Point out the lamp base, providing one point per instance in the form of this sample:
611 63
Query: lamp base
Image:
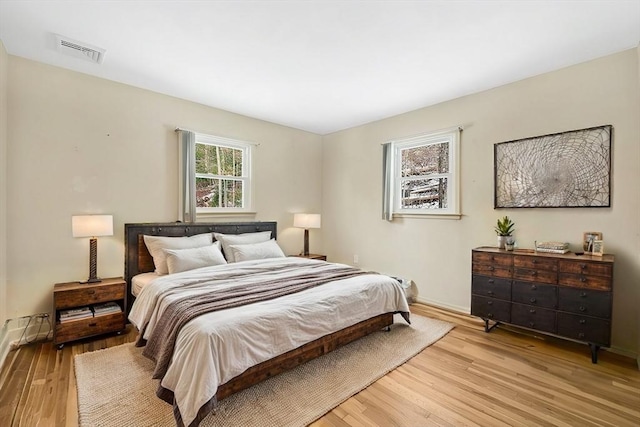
92 280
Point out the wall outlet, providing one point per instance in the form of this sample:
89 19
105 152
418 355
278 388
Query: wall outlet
356 259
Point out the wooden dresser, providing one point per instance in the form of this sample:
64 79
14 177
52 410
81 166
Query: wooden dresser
567 295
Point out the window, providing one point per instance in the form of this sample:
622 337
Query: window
222 174
215 175
421 175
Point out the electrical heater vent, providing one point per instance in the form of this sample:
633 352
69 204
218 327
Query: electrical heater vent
79 50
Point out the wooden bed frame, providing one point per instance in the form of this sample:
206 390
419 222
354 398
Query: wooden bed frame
138 260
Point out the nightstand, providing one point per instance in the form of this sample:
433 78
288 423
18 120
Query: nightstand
74 296
313 256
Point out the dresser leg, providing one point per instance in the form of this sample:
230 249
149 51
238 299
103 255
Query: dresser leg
488 328
594 352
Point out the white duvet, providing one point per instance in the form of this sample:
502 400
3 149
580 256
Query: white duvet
216 347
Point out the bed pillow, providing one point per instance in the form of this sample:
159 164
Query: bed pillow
262 250
158 244
188 259
240 239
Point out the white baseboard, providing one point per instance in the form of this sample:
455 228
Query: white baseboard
11 337
440 304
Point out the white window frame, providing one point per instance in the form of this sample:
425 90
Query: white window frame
246 178
452 137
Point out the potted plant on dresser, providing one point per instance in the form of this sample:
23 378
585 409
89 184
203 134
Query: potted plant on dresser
504 229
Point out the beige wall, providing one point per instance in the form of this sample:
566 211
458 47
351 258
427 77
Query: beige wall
4 59
80 144
436 253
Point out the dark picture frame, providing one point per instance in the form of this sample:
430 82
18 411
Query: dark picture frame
561 170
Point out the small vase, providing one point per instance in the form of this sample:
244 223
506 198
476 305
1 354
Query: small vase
502 240
509 247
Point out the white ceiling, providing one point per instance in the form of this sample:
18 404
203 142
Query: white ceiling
321 66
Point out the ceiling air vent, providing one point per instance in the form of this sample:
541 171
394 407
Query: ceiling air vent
79 49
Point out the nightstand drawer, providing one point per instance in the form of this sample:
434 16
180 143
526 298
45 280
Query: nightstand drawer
89 295
83 328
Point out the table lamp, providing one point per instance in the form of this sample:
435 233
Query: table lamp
92 226
306 221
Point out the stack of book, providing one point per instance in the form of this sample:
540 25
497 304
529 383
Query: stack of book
75 314
106 308
552 247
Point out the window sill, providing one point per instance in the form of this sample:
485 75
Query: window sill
427 216
201 216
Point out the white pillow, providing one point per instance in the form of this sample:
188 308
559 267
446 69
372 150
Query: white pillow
240 239
262 250
157 245
188 259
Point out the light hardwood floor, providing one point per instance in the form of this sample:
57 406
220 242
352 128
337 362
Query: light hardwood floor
469 377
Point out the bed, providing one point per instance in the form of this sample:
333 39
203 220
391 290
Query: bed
299 338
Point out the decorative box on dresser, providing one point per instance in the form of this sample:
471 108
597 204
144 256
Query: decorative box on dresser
74 295
566 295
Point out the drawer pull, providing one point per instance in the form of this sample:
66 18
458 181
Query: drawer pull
583 294
532 300
491 281
490 315
535 261
489 302
93 324
582 321
581 335
490 292
534 287
531 324
493 258
583 279
91 291
583 266
534 273
491 268
532 311
582 308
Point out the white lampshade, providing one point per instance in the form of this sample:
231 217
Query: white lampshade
306 221
92 225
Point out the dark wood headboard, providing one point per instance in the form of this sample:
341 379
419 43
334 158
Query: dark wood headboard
137 258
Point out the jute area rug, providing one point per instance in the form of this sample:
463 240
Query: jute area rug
115 386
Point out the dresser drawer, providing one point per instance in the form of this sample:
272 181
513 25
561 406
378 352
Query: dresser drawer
83 328
490 308
491 287
535 294
89 295
541 276
589 268
584 281
585 328
585 302
490 270
535 263
502 260
532 317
